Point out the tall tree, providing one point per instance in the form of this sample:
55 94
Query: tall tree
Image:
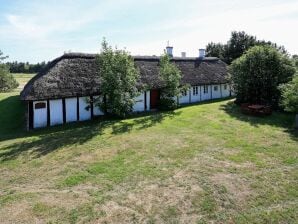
215 50
238 43
289 99
257 74
171 77
7 81
119 78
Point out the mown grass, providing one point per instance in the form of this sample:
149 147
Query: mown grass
204 163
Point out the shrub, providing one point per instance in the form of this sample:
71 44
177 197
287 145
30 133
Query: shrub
7 81
257 74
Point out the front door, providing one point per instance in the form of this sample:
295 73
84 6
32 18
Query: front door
154 98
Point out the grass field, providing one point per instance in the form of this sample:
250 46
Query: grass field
22 79
205 163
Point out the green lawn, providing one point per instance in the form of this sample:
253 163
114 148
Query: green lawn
22 79
205 163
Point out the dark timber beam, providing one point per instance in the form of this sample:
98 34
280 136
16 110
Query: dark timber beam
48 114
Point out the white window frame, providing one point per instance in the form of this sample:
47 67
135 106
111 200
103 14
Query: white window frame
195 90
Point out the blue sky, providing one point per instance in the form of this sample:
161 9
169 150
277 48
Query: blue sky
43 30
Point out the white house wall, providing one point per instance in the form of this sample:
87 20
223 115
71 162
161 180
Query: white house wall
139 103
96 110
40 115
84 114
225 92
206 96
71 109
216 93
195 98
184 99
148 99
56 112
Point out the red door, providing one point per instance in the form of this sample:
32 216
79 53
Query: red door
154 98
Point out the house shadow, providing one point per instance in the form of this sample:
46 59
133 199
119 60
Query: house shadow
50 139
277 119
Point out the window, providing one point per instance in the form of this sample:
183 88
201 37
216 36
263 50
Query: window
225 87
215 88
195 90
184 93
40 105
205 88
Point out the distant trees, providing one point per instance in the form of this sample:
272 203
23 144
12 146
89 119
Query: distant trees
238 43
215 50
7 81
289 97
257 74
170 76
26 67
119 78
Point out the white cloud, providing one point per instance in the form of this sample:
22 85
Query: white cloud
46 30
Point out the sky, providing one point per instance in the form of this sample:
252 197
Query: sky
38 30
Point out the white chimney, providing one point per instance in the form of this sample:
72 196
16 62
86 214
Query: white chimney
183 54
169 51
201 53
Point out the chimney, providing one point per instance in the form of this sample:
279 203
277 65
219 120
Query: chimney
183 54
169 51
201 53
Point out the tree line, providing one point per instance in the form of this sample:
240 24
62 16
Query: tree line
238 43
26 67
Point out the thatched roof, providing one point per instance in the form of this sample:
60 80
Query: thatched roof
77 74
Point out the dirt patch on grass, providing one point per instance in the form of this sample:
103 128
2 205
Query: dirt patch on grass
150 202
236 186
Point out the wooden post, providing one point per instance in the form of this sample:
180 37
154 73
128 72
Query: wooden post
64 110
145 100
30 114
78 109
48 114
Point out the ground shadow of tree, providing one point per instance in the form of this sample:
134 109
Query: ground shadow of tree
277 119
47 140
12 117
143 121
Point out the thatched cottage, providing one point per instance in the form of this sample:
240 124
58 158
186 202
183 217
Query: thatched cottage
59 94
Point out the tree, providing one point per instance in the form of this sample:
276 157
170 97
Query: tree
295 61
289 97
238 43
119 78
7 81
170 76
257 74
215 50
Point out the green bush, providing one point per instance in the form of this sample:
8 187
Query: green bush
7 81
257 74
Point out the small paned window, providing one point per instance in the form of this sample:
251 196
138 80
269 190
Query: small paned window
40 105
184 93
215 88
225 87
195 90
205 88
